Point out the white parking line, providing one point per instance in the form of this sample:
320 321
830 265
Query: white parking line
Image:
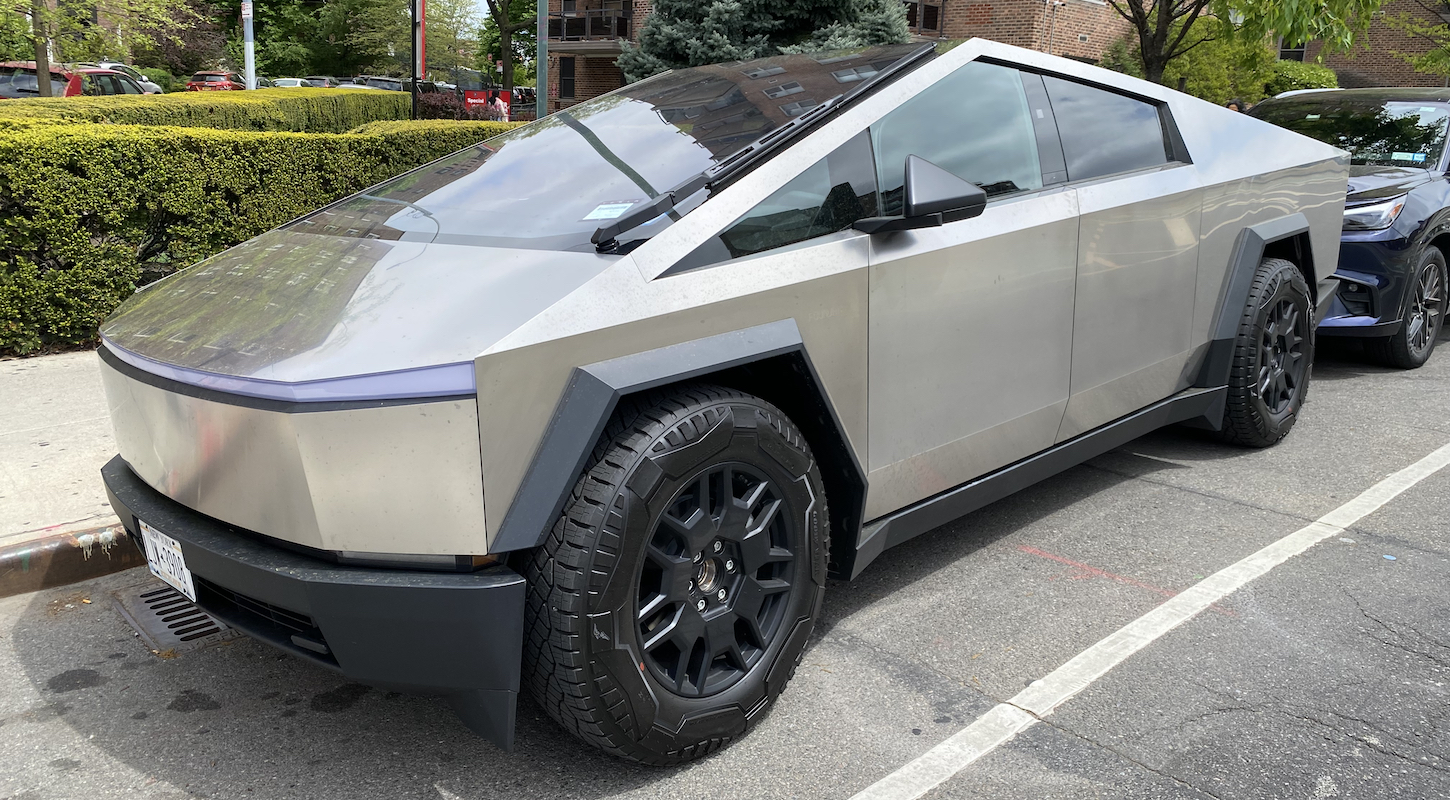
1042 697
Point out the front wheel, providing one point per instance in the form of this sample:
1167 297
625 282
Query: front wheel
1273 351
1423 316
674 596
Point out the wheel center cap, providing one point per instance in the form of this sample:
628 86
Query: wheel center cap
707 576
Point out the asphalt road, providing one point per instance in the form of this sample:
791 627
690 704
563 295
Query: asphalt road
1326 678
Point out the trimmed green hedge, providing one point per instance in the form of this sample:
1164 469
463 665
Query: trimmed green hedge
301 110
1290 75
88 212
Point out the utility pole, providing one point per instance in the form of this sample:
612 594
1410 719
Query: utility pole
419 55
42 50
249 45
541 66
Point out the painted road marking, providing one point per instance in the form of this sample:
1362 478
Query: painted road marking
1042 697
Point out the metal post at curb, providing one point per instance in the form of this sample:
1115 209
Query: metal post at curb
541 63
418 54
249 45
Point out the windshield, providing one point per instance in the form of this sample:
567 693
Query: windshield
1374 132
552 183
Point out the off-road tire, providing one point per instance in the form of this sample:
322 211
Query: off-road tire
584 625
1267 387
1422 318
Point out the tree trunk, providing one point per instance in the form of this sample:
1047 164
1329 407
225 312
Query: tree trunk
506 55
42 55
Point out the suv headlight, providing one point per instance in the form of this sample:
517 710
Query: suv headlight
1373 217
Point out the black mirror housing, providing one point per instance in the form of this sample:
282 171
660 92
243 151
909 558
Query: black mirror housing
933 197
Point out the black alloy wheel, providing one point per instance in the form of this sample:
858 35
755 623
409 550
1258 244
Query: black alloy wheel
715 580
674 597
1423 319
1273 354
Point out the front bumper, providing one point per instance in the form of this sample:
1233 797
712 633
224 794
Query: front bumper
1373 273
459 635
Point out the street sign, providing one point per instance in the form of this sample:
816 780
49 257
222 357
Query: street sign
246 9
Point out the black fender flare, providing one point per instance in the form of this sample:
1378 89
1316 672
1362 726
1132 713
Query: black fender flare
594 391
1248 252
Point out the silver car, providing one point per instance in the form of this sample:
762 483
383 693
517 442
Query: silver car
596 406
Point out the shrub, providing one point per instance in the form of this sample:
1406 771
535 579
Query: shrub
447 105
164 79
1290 75
302 110
87 212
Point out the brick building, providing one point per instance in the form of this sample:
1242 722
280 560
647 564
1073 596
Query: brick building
1376 60
585 35
585 38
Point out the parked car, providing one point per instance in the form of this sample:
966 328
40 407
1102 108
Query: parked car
290 83
216 82
604 431
147 85
1392 270
17 80
322 81
390 84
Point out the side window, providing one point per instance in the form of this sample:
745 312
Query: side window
826 198
974 123
128 86
1104 133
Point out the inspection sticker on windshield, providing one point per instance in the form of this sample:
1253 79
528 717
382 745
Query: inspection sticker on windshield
1398 156
610 209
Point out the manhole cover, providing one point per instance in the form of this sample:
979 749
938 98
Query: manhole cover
167 621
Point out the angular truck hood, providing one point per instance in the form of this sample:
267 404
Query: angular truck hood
1368 183
291 307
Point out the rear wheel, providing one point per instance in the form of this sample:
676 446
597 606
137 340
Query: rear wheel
674 596
1423 317
1269 378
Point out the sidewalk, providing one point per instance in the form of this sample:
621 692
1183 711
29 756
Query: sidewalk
55 524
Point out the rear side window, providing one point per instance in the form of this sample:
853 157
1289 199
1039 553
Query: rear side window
1104 133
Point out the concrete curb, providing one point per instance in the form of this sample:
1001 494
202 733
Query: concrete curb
62 558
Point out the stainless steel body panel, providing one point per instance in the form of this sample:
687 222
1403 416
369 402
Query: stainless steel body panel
393 479
971 340
1137 265
822 286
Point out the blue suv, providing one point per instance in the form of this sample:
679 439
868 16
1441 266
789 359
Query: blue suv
1396 217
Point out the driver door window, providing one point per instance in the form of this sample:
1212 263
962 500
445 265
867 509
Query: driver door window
974 123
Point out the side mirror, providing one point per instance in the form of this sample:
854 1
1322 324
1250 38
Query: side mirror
933 196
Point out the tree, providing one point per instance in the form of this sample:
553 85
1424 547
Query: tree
1167 29
452 35
1430 27
685 33
506 18
1218 70
78 28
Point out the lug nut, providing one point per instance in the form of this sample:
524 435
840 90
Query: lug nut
720 595
729 565
697 557
719 546
700 604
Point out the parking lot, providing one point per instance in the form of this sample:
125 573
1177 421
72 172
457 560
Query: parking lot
1327 677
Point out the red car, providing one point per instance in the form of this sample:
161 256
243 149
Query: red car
215 82
17 80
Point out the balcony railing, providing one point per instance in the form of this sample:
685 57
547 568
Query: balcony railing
592 24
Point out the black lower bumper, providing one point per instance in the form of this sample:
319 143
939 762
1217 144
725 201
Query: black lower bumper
454 634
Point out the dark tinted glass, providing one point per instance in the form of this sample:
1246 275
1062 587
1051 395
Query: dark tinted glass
835 192
18 82
550 184
1105 133
974 123
1374 132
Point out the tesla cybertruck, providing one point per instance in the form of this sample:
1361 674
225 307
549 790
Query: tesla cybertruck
596 406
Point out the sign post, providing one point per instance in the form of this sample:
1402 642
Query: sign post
249 45
419 54
541 64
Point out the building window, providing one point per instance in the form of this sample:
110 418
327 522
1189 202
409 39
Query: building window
1289 51
799 107
762 72
854 74
777 92
923 16
566 77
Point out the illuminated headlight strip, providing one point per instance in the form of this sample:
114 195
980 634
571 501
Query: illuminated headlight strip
1373 217
441 381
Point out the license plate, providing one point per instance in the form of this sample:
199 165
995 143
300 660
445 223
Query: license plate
163 556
